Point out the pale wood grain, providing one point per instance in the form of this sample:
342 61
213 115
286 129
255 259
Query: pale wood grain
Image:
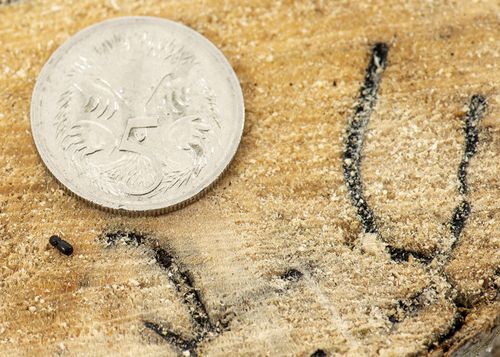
283 203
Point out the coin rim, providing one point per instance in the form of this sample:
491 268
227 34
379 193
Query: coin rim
58 173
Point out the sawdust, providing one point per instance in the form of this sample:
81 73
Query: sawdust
283 204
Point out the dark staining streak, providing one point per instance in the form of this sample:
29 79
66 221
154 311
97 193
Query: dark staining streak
460 215
173 338
477 108
457 324
352 175
353 154
354 146
355 135
394 319
185 287
129 238
291 275
408 307
184 284
403 255
318 353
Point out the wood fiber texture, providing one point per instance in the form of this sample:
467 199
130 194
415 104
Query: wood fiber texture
275 260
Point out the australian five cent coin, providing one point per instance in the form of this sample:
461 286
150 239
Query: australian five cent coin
138 114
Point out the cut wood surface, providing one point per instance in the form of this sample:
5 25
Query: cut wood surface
360 216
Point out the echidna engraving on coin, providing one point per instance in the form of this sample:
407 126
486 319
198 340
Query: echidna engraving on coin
144 113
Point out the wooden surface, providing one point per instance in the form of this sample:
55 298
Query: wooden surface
275 260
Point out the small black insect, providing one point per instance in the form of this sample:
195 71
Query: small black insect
61 245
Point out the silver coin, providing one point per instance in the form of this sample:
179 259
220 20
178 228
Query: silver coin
138 114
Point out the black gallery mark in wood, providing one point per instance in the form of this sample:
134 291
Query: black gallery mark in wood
352 174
